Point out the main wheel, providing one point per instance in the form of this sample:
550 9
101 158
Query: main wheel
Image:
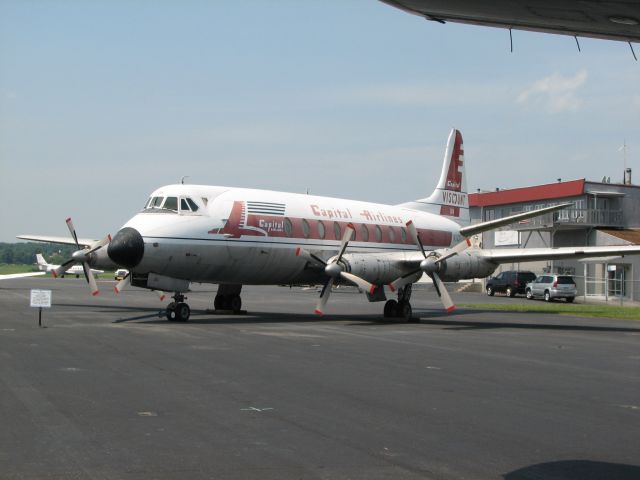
529 294
235 303
490 291
390 309
218 302
547 296
403 311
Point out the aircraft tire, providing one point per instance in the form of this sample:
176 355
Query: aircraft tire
182 312
390 308
219 302
235 303
171 312
404 311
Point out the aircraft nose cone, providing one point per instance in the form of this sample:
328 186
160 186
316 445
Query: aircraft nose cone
126 248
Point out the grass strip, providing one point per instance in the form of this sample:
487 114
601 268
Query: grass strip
599 311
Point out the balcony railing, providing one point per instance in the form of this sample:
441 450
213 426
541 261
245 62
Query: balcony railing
575 217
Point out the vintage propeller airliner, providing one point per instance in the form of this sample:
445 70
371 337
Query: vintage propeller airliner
237 236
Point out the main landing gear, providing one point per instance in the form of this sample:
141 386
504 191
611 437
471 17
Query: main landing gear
228 298
400 309
178 310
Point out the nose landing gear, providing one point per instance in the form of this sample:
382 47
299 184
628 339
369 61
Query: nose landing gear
178 310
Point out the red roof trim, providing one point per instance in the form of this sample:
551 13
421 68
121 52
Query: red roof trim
550 191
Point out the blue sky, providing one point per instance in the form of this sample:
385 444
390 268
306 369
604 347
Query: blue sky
102 102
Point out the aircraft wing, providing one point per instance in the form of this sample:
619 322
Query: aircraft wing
84 242
20 275
508 255
605 19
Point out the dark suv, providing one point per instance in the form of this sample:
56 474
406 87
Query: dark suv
510 282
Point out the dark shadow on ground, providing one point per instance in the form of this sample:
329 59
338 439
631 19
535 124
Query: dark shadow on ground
450 321
576 470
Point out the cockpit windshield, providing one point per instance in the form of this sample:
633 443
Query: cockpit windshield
171 205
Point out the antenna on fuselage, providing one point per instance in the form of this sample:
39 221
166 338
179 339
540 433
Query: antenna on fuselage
182 181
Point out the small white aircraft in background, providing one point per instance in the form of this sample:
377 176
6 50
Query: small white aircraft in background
76 270
236 236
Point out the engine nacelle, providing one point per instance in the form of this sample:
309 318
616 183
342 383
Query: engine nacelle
464 266
383 268
377 268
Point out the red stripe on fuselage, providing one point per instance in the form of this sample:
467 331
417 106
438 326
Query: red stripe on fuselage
276 226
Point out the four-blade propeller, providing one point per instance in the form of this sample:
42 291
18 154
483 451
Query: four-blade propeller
335 270
430 265
81 256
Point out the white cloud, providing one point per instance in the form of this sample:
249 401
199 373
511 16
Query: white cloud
555 93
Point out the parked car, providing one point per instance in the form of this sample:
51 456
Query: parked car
510 282
551 287
120 274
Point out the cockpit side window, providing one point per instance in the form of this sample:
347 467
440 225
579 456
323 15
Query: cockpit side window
157 201
193 205
184 206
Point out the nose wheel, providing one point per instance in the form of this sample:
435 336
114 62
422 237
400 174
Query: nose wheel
178 310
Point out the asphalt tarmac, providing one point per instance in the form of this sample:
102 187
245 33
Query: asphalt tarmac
108 390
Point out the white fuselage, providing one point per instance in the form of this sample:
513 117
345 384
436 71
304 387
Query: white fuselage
249 236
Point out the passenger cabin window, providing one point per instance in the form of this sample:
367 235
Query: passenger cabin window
306 229
288 227
337 231
365 233
321 229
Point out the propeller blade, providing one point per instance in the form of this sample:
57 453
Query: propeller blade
444 295
99 244
56 272
462 246
123 283
416 238
91 280
363 284
410 277
346 237
72 230
301 252
324 296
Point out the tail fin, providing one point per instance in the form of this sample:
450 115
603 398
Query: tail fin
42 263
450 197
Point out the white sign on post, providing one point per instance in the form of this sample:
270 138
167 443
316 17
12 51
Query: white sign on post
41 298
